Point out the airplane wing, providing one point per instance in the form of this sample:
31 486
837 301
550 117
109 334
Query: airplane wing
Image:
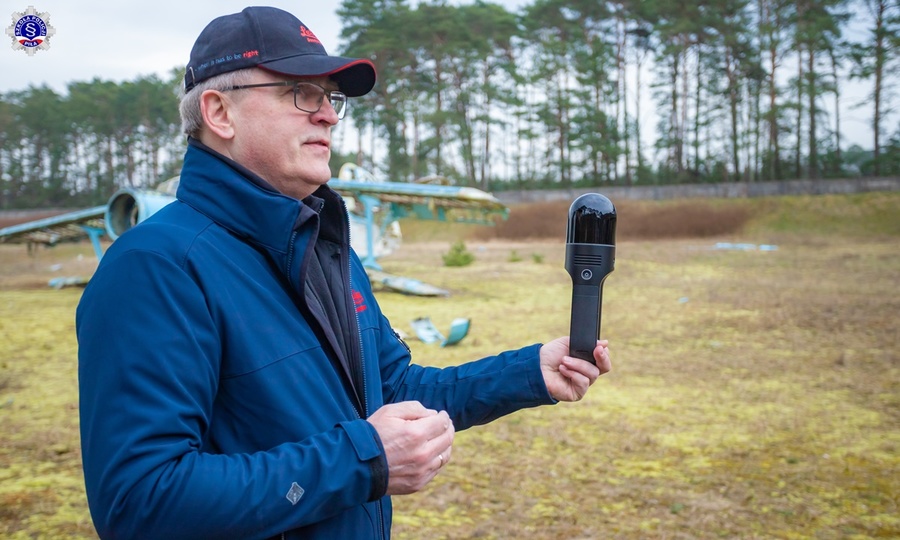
125 209
375 208
426 201
68 227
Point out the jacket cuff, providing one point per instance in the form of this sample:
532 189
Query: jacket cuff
535 375
369 449
379 468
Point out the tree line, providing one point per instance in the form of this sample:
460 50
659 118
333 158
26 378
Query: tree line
76 149
557 94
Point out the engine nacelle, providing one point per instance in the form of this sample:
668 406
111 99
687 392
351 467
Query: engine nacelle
128 207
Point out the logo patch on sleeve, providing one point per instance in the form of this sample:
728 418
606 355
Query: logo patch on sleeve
295 493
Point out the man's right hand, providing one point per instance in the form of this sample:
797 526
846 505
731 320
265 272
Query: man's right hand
417 443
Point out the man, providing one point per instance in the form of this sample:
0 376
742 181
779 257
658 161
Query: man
237 377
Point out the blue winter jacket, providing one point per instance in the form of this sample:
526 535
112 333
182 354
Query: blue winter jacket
217 403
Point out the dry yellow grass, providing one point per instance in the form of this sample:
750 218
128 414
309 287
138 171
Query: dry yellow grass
754 394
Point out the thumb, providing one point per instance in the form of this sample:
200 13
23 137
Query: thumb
408 410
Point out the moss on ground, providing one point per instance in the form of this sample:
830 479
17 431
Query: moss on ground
754 394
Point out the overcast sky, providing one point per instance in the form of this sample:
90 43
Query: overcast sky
122 40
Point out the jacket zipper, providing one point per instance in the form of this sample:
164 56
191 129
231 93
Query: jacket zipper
349 300
362 363
349 294
290 260
289 272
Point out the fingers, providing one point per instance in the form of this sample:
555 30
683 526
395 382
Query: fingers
408 410
444 444
419 461
580 374
601 356
418 442
574 367
583 374
444 457
428 443
436 427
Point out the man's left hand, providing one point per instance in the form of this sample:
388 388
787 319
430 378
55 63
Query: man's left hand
568 378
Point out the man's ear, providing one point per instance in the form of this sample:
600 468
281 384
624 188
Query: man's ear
217 113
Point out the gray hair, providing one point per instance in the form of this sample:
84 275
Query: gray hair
189 109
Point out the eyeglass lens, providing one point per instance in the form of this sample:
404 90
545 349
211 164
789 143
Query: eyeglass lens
308 97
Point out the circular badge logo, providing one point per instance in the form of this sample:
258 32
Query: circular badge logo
30 31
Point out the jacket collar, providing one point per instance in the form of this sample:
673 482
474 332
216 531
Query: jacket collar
248 206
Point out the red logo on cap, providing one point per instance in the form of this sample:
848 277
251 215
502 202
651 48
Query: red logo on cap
310 37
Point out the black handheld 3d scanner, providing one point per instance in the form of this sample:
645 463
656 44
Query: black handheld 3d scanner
590 257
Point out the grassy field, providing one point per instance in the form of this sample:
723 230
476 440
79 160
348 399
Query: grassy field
754 394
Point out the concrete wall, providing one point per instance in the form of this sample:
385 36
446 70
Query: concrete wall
686 191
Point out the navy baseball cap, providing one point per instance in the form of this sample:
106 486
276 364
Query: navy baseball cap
274 40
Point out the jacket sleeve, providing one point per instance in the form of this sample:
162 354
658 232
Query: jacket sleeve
474 393
148 377
477 392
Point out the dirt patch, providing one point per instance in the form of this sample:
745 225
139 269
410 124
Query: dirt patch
24 268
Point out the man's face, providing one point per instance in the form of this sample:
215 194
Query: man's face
285 146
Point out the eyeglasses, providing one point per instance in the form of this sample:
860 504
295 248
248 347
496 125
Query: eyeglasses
308 97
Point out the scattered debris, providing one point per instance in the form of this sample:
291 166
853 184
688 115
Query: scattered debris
745 247
428 333
71 281
404 284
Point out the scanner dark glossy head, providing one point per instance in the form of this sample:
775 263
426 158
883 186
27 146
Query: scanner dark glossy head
592 220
